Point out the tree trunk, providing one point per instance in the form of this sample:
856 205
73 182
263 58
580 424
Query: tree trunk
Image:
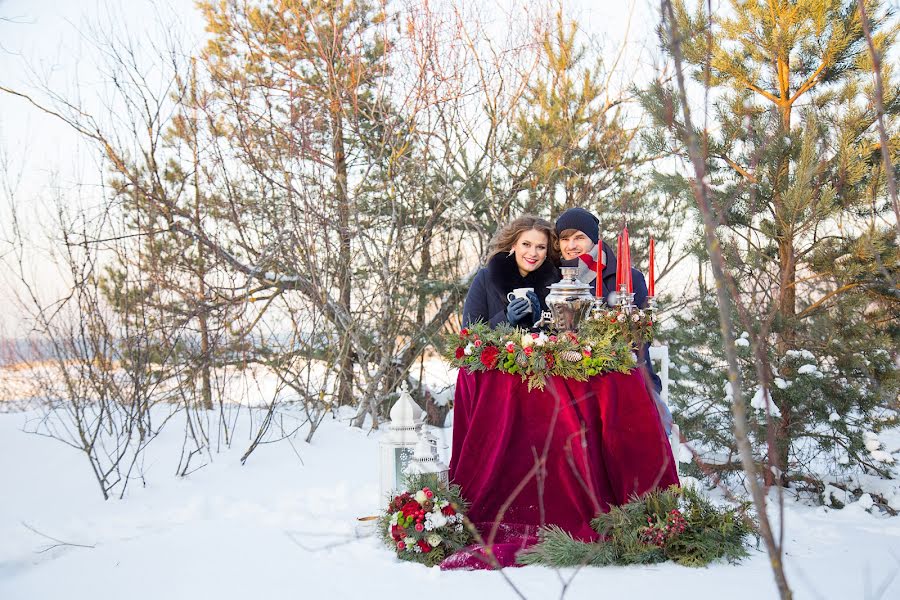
344 262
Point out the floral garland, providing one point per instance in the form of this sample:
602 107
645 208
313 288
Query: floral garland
601 345
425 525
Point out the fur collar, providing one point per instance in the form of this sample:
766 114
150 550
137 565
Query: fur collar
504 274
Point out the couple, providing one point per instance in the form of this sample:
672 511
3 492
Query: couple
560 455
525 253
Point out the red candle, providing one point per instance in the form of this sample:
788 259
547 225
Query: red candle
652 273
626 262
600 258
619 273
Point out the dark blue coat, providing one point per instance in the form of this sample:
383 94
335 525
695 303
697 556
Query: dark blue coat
486 300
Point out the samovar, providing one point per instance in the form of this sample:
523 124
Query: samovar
569 300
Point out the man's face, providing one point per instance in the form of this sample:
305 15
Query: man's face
573 243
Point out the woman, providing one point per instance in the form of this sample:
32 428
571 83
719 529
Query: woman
522 255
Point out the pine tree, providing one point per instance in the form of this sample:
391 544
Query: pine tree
796 182
575 147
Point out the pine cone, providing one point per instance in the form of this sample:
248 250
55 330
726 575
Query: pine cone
522 360
572 356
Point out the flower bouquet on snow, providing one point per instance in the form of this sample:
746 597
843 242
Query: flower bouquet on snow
425 523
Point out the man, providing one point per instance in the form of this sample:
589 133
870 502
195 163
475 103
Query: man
579 235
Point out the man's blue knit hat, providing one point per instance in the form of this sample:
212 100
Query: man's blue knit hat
580 219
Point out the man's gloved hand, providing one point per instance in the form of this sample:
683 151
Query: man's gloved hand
517 310
535 306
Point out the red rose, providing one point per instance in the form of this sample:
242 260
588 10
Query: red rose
528 351
460 353
448 510
423 545
465 331
489 356
586 353
410 508
550 360
397 532
553 338
478 343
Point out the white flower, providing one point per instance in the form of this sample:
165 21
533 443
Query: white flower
541 339
410 542
470 347
635 317
420 497
620 317
433 540
436 519
527 340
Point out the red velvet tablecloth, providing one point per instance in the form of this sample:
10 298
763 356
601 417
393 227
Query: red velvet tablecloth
557 456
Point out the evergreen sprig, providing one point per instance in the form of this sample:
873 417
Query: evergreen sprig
677 524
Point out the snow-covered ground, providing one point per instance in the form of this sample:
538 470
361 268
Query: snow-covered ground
285 526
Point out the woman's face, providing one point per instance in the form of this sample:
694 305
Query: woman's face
530 250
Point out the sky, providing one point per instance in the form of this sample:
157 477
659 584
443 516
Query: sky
49 42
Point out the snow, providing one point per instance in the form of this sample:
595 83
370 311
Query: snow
781 383
285 525
743 342
881 456
810 370
761 399
801 354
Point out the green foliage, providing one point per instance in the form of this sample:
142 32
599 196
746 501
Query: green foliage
600 346
795 178
706 534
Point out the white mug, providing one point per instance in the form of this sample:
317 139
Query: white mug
519 293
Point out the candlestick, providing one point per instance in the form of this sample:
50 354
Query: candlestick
598 289
652 274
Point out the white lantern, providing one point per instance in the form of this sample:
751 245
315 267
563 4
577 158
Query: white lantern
398 445
426 460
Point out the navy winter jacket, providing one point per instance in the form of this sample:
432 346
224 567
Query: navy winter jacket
486 300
